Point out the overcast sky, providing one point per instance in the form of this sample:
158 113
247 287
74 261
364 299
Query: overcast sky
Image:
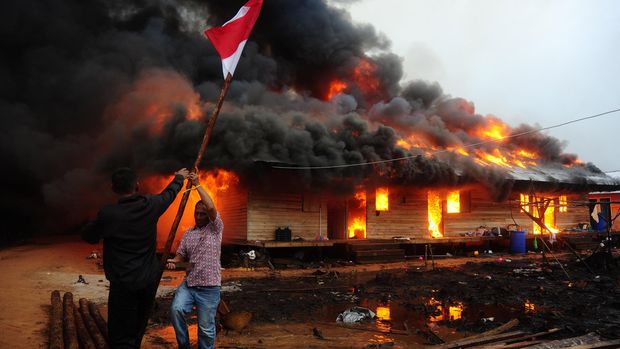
532 61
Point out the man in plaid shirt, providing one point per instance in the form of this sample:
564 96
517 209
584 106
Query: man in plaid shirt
201 246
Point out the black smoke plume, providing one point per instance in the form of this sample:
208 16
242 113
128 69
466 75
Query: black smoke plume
86 87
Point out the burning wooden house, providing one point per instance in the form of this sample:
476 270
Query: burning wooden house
380 211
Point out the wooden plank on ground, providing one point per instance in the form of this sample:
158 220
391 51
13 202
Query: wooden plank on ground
466 343
503 328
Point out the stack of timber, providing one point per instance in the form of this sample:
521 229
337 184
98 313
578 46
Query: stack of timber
376 252
76 327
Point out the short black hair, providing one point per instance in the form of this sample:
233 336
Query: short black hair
124 180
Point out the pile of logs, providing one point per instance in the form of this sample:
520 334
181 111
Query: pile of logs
75 327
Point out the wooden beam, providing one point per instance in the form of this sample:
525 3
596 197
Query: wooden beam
56 337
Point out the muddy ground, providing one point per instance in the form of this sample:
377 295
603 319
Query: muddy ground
296 307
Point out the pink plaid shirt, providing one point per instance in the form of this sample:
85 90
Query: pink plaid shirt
202 246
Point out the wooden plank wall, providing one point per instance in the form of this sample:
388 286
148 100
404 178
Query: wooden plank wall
407 215
268 211
574 215
484 212
232 206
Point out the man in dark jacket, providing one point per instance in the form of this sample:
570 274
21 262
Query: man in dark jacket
129 232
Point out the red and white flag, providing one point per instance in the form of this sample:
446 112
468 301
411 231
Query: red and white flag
229 39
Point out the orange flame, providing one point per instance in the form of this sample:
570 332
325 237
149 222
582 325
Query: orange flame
453 202
216 182
365 78
357 216
495 129
434 214
383 313
336 87
382 202
455 311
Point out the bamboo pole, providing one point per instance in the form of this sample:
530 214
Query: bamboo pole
68 318
56 337
203 147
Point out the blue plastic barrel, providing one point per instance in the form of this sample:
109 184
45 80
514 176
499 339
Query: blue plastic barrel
517 242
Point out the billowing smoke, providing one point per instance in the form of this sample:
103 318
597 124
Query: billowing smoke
86 87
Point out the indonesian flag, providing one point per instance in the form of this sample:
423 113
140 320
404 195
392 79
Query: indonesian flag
230 38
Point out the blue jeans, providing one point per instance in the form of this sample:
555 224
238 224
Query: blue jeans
206 300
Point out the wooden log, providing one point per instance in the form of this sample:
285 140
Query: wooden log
466 343
500 329
101 323
91 325
68 319
83 336
598 345
56 339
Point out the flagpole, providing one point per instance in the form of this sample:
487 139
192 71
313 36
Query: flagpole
203 147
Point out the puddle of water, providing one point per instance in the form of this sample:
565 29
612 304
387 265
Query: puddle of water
431 313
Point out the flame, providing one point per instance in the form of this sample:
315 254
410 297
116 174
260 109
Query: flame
496 129
383 313
437 304
549 217
336 87
563 203
434 214
525 202
356 217
357 229
361 197
453 204
403 144
529 307
216 182
455 311
365 78
382 199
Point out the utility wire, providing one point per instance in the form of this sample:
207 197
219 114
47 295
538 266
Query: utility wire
444 150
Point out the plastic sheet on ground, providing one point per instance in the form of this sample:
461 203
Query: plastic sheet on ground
355 314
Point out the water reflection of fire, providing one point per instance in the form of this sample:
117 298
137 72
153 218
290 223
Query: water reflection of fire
215 182
529 307
454 311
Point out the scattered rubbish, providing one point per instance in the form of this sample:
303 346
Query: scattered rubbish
355 314
94 255
487 319
81 280
448 254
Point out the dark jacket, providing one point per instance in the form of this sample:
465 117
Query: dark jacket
129 232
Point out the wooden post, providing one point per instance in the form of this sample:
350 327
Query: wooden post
68 318
103 326
56 338
85 341
203 147
91 325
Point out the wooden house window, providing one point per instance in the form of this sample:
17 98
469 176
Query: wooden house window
563 204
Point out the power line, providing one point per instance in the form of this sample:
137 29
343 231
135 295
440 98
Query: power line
444 150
